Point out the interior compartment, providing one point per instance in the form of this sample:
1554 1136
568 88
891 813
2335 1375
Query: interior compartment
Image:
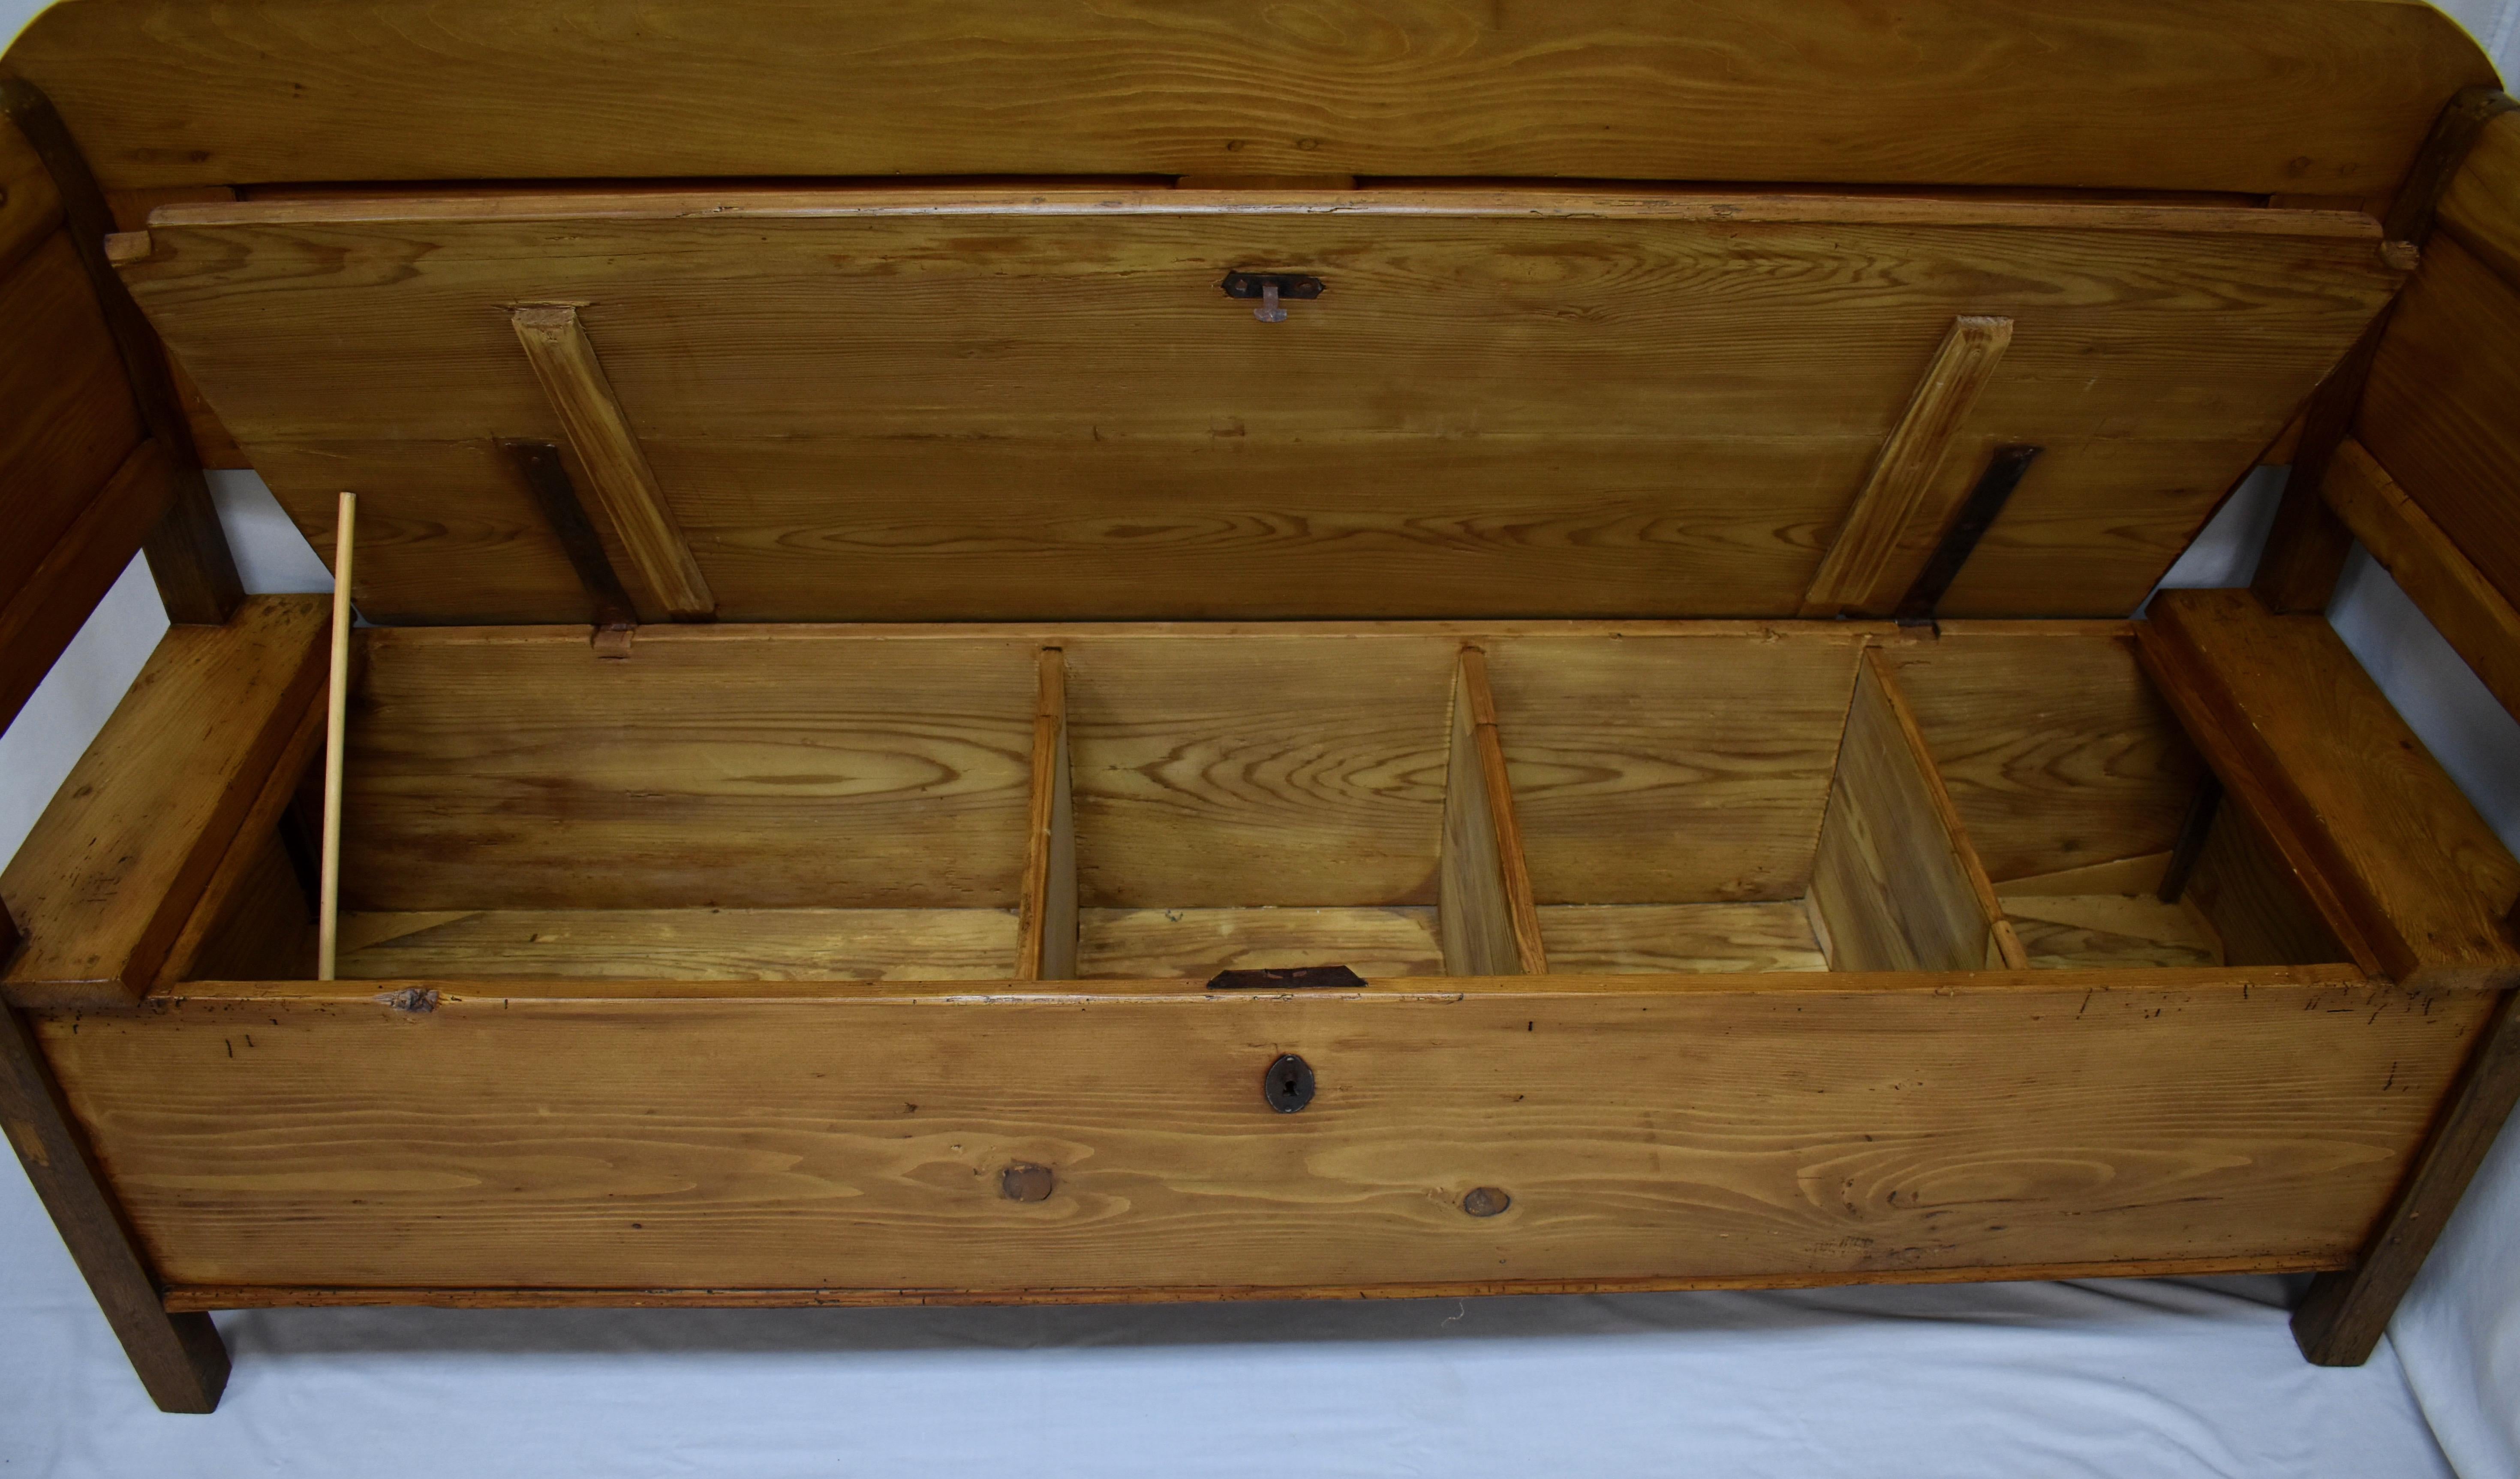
1258 801
1671 791
2104 835
1100 803
734 807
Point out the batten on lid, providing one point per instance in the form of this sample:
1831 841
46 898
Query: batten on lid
1864 560
572 377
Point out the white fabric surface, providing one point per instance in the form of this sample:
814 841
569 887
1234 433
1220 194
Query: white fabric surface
2000 1381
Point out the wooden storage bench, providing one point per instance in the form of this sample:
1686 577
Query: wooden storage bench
992 678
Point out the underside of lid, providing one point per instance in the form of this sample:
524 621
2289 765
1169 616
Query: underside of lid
1025 405
2030 318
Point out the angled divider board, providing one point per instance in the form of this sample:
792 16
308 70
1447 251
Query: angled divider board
1026 404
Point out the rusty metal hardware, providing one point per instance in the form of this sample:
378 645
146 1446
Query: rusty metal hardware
1271 288
1288 1086
1293 978
1994 486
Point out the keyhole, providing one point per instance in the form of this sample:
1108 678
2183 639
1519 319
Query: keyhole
1288 1086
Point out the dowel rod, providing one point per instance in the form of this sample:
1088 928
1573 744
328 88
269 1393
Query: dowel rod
336 723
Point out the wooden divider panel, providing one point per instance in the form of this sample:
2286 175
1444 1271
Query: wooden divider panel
1895 883
1488 921
1045 946
991 404
1835 1126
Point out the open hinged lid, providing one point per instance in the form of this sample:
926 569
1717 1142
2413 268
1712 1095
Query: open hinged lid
787 389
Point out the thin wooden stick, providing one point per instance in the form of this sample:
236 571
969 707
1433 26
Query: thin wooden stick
336 723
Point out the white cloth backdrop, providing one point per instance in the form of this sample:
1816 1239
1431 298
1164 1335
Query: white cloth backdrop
2105 1379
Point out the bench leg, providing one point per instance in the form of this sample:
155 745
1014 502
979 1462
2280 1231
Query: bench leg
2340 1320
180 1358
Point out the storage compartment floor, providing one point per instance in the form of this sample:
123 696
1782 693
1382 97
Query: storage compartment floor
683 944
2122 930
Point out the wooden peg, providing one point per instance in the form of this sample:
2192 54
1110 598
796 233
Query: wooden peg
336 713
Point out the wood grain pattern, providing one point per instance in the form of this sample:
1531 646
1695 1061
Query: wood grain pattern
566 365
2341 1317
2456 129
2125 876
71 421
2475 617
107 876
2307 545
243 880
1194 944
1858 571
681 944
2481 207
1667 772
2320 96
30 207
1895 885
2054 748
1075 423
2395 856
1603 938
2003 948
1294 771
2068 930
1720 1130
130 210
1046 931
2260 908
1485 909
2437 412
40 614
178 1357
769 771
188 550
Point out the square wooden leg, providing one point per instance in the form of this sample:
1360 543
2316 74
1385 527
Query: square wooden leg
180 1358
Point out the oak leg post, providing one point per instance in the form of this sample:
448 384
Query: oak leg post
2341 1318
179 1358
